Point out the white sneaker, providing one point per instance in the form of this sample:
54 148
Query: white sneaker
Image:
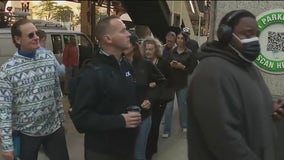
184 130
165 135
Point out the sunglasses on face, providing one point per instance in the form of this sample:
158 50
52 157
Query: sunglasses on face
32 34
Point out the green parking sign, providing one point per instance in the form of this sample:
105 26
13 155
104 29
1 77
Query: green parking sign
271 37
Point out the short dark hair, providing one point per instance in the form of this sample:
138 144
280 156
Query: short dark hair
233 21
171 34
41 34
103 26
184 35
133 38
15 30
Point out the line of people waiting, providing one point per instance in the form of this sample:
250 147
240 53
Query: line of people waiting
144 71
31 105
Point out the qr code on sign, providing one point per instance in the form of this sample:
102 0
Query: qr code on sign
275 41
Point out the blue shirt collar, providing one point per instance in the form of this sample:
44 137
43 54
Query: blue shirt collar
26 54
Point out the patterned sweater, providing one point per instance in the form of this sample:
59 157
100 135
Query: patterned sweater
30 97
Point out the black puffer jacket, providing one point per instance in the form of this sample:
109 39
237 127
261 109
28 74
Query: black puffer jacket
102 96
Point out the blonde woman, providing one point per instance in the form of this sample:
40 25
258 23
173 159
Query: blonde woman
152 51
146 77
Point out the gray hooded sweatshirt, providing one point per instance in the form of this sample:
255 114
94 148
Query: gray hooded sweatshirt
230 109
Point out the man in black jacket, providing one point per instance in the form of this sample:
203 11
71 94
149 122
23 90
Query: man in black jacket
230 105
103 94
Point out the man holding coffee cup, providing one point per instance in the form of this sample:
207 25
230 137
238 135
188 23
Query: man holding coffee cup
105 90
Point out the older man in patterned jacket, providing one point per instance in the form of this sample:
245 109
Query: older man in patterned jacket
30 99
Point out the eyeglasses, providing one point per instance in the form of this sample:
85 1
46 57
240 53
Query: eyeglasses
32 34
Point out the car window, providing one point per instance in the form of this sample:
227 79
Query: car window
57 44
83 41
67 39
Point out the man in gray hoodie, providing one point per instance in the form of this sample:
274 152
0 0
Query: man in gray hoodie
231 108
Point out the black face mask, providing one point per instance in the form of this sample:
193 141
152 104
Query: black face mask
250 49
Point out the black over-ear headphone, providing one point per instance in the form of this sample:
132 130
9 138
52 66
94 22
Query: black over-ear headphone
224 32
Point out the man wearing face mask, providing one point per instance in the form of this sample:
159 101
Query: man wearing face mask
231 109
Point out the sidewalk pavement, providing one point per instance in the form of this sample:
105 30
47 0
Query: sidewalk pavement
172 148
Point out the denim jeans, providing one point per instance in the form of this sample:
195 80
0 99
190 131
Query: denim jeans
141 139
182 107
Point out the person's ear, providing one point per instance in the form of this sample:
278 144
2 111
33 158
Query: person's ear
107 38
17 39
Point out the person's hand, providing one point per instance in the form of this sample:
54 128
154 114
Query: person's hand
8 155
173 63
180 66
278 110
152 84
177 65
146 104
132 120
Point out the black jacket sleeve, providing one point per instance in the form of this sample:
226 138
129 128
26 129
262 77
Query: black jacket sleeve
167 71
155 76
84 114
191 63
